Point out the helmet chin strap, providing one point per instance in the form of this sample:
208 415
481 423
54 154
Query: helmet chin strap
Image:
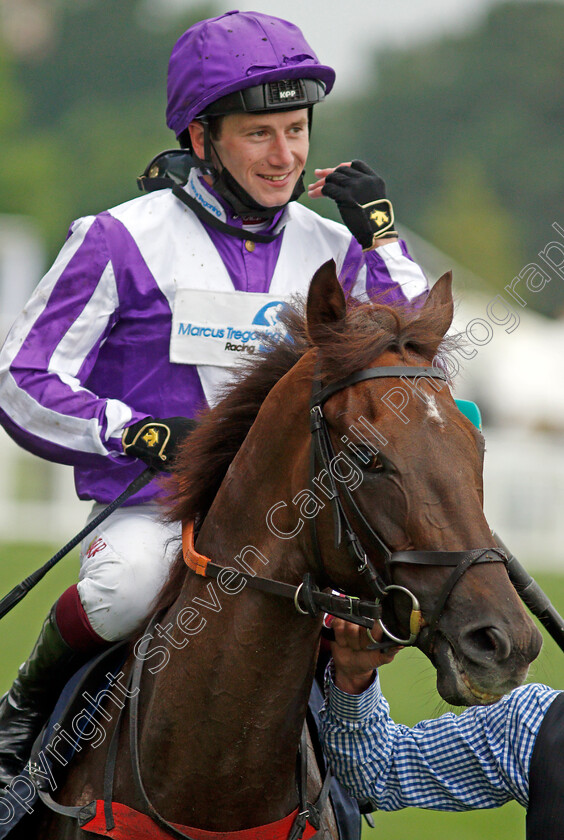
244 204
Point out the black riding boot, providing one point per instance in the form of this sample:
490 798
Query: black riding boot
32 697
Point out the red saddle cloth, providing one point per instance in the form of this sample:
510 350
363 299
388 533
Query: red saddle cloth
132 825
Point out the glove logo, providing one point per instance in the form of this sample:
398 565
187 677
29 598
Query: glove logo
151 437
379 217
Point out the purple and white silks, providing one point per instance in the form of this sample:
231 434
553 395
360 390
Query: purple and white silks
89 355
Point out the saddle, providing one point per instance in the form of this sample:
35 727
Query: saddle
76 709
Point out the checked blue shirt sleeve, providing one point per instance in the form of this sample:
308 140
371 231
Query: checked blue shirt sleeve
478 759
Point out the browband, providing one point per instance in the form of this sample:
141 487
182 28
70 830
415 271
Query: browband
378 373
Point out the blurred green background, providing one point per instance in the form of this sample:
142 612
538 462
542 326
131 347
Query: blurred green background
466 128
409 684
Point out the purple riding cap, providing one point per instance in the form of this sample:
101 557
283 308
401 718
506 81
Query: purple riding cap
232 52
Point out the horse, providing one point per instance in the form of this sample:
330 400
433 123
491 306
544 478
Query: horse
338 462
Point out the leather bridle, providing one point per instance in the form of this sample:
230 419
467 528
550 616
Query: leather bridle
322 455
307 597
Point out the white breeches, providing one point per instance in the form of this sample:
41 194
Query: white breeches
123 565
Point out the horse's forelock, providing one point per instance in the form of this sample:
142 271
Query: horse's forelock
372 328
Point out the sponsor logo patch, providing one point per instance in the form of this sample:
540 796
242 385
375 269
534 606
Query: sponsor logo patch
96 546
222 327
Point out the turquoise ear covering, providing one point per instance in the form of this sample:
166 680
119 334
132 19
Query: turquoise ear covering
471 411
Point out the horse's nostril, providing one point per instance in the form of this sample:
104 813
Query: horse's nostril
489 641
500 642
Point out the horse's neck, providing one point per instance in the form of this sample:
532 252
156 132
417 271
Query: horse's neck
229 705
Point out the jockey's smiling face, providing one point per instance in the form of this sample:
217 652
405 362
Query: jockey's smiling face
265 152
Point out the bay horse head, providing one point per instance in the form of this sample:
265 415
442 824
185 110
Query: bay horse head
416 517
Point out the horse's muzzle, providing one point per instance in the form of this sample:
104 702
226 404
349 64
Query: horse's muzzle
482 664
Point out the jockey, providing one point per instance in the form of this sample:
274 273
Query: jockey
150 304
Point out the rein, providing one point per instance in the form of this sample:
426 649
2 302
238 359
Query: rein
307 597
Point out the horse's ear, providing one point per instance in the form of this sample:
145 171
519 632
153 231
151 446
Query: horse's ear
326 302
439 306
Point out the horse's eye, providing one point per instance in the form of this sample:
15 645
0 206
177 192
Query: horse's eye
368 459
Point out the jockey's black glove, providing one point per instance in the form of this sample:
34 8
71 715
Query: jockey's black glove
156 441
360 195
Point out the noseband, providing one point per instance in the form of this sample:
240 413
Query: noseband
322 454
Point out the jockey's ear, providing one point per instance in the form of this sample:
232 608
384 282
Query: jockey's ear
326 302
439 306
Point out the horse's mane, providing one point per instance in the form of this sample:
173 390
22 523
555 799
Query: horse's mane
367 331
